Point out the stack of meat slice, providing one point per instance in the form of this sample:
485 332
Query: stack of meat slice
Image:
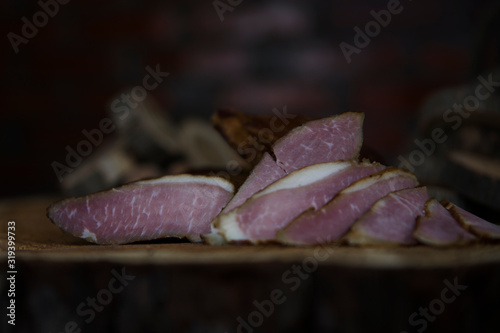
335 138
438 227
446 224
309 188
332 221
271 209
391 220
325 140
294 199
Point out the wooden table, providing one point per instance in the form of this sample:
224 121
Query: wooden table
187 287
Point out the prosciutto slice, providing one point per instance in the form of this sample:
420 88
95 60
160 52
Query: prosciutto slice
264 173
328 139
439 228
473 223
324 140
335 218
391 220
258 219
171 206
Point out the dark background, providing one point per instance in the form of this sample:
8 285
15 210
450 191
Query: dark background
264 55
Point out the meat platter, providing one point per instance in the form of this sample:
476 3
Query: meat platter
310 190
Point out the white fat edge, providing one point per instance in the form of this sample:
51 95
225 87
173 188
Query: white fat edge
430 206
356 237
214 238
89 236
305 176
381 203
193 238
216 181
375 178
229 227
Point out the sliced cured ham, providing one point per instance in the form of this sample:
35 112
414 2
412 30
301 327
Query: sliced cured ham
324 140
171 206
473 223
264 173
439 228
258 219
332 221
391 220
317 141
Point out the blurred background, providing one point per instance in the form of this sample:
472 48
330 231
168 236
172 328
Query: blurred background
87 104
253 57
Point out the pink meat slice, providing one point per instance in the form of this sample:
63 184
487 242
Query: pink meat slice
318 141
324 140
263 174
258 219
439 228
473 223
332 221
171 206
391 220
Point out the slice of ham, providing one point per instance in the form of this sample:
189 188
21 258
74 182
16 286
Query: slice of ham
264 173
328 139
473 223
171 206
439 228
324 140
391 220
332 221
258 219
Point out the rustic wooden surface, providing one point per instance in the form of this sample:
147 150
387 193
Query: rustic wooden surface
38 239
183 287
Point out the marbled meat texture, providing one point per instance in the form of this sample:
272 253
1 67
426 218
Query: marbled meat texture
391 220
328 139
324 140
264 173
332 221
258 219
171 206
439 228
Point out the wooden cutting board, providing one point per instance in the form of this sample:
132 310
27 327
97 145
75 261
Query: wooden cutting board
38 239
